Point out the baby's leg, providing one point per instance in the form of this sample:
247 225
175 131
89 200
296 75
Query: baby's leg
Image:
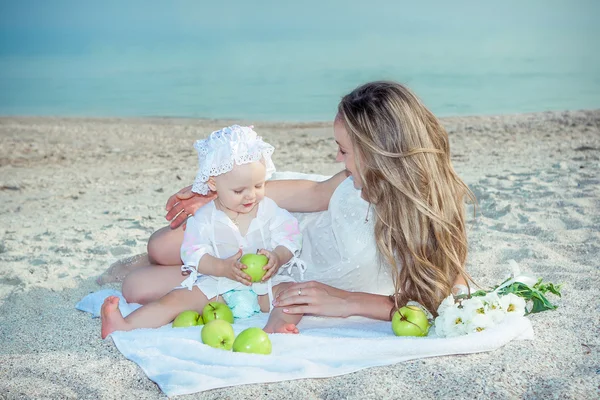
164 246
150 283
151 315
279 322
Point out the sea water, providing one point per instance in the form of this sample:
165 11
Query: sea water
292 61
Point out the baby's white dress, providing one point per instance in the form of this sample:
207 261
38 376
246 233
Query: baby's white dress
211 231
338 245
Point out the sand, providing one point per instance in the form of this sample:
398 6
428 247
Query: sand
78 194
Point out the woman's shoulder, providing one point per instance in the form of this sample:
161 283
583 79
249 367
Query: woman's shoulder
346 192
347 183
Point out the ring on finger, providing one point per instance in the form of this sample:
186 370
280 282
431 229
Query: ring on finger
300 292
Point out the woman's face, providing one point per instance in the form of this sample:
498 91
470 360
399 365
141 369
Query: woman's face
345 152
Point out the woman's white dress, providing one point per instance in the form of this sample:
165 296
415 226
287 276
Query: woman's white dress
338 245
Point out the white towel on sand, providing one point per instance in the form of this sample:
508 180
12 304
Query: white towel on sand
179 363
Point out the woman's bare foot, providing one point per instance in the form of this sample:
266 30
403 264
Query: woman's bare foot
112 319
281 327
120 269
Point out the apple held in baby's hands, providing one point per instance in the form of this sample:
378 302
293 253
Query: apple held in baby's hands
410 321
218 334
254 265
215 310
252 340
188 318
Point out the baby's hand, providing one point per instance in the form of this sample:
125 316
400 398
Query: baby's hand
233 269
272 266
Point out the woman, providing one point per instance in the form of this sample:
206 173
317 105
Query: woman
387 230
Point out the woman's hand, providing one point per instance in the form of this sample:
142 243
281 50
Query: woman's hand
313 298
185 203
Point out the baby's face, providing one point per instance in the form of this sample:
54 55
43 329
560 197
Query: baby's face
243 187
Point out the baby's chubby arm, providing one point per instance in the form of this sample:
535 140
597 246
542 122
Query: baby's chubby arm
229 267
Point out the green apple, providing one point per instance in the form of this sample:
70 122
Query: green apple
254 264
252 340
218 334
188 318
215 310
410 321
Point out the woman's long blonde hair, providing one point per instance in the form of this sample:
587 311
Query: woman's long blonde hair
403 157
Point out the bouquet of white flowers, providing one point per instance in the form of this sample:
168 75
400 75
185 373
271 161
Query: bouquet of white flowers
465 314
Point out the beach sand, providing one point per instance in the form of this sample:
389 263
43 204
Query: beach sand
78 194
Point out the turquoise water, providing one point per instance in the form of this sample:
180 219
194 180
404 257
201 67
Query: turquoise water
281 60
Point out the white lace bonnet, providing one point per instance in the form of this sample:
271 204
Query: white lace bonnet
233 144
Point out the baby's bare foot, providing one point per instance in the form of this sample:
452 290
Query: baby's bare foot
112 320
288 328
281 328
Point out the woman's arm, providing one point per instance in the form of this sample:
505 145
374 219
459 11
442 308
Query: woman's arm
296 195
300 195
319 299
370 305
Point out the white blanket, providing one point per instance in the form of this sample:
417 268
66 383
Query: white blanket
178 361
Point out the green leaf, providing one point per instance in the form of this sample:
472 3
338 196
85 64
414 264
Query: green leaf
555 290
547 287
518 288
540 303
535 294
